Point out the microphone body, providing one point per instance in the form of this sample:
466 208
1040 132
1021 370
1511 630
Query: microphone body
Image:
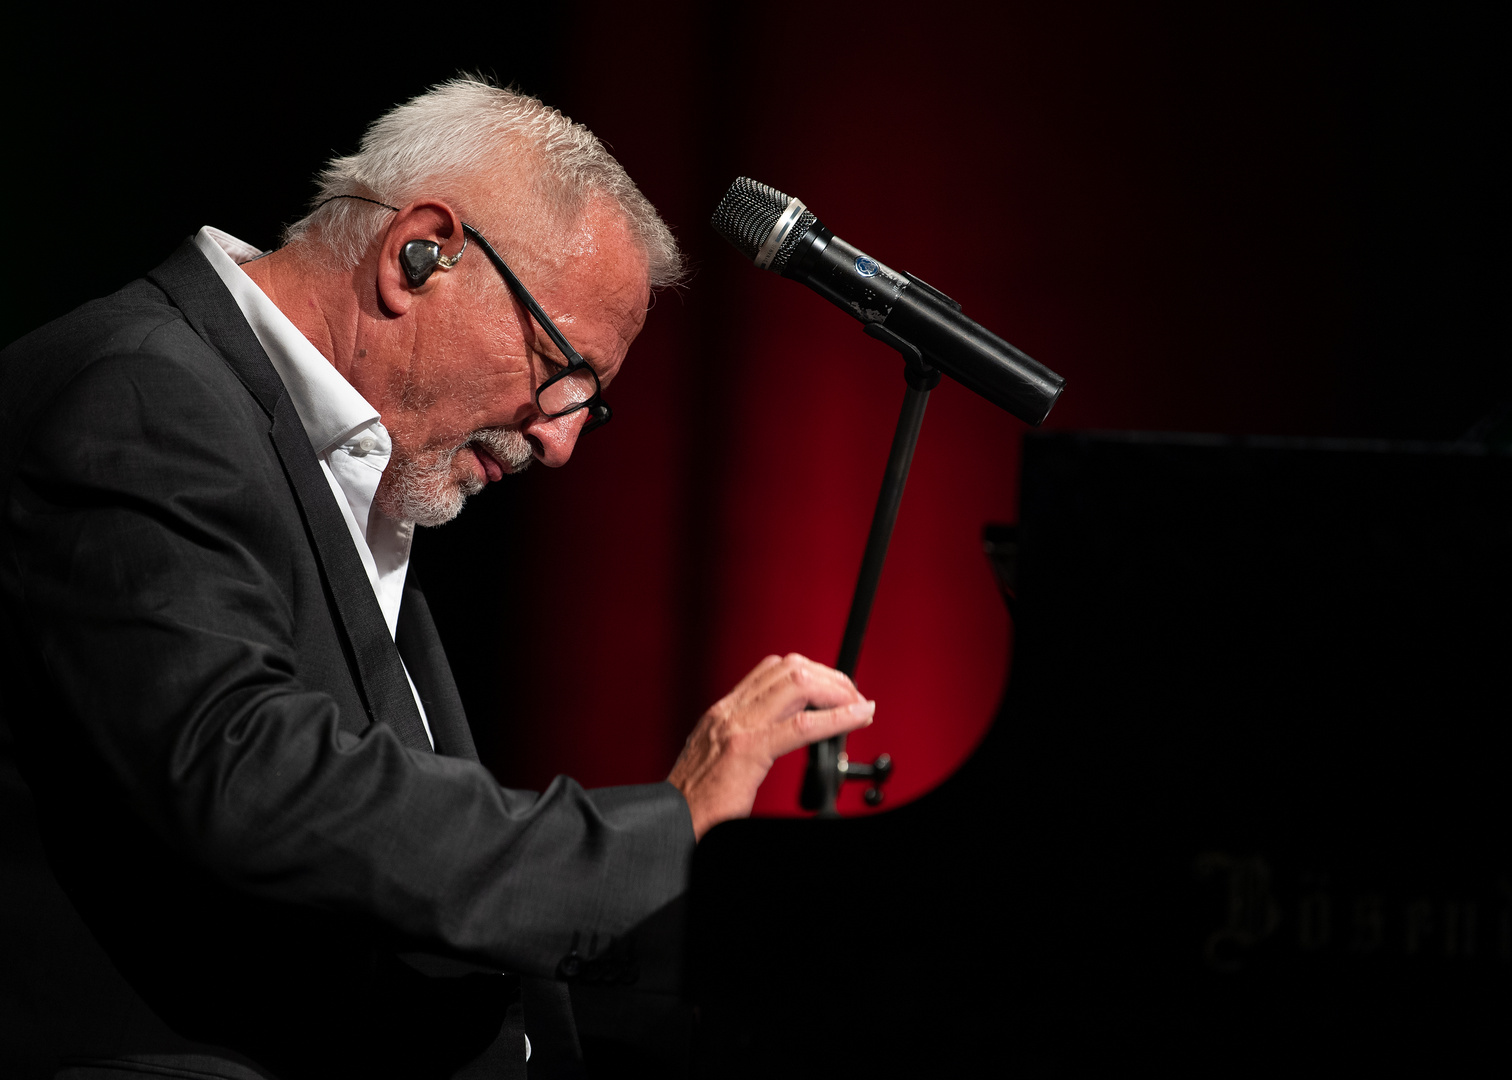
780 234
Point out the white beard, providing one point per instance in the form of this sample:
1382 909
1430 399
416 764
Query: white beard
422 489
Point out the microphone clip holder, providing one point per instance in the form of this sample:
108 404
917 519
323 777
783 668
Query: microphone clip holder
916 370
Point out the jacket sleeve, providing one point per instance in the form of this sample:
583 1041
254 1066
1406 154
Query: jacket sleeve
144 573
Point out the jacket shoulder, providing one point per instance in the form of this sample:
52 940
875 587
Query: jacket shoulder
137 328
118 323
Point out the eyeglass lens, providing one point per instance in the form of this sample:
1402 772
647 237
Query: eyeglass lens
566 392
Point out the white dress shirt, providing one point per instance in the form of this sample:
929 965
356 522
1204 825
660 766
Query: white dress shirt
350 442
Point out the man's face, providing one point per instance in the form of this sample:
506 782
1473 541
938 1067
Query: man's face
461 407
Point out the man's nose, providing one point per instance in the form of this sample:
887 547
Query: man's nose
553 440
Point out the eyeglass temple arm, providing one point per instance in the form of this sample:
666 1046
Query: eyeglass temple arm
524 297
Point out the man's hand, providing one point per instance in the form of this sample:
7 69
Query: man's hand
727 757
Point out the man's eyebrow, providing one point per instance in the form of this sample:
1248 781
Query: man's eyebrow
553 355
548 349
544 344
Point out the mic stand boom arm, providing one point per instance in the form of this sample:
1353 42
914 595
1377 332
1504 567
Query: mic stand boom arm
828 766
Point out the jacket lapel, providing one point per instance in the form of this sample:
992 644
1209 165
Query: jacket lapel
198 292
380 675
420 645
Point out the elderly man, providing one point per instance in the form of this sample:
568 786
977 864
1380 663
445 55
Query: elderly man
252 771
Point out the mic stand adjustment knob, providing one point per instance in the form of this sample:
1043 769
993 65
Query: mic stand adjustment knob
877 772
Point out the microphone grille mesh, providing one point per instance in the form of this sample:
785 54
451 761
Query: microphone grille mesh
748 212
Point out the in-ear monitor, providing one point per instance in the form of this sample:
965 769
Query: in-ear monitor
420 258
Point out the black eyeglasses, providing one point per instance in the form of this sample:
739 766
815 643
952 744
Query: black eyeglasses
576 386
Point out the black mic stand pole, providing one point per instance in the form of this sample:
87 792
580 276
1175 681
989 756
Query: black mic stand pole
828 766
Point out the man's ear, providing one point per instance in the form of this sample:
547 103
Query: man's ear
422 223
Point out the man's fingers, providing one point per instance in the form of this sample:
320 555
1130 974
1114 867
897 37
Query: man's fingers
787 702
798 682
811 725
748 688
783 703
766 664
779 685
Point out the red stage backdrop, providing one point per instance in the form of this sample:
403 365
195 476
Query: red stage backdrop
1158 207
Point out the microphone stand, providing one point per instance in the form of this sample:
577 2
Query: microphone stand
829 766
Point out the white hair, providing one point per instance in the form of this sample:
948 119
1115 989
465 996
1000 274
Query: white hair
546 167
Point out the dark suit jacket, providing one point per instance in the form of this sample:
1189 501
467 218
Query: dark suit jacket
231 778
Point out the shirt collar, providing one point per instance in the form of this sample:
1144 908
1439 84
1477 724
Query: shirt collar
328 406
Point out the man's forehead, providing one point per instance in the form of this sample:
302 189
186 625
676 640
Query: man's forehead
517 205
602 229
603 256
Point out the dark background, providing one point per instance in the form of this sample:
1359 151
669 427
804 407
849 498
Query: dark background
1258 219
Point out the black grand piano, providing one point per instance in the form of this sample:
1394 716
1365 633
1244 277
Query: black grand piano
1244 809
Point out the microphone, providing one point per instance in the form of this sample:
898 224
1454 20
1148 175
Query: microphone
779 233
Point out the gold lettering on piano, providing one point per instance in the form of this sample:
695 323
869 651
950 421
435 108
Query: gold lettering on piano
1251 911
1418 928
1313 913
1369 930
1459 928
1315 917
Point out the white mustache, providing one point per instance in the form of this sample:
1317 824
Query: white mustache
510 447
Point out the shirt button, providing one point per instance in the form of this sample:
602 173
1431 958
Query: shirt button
366 444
